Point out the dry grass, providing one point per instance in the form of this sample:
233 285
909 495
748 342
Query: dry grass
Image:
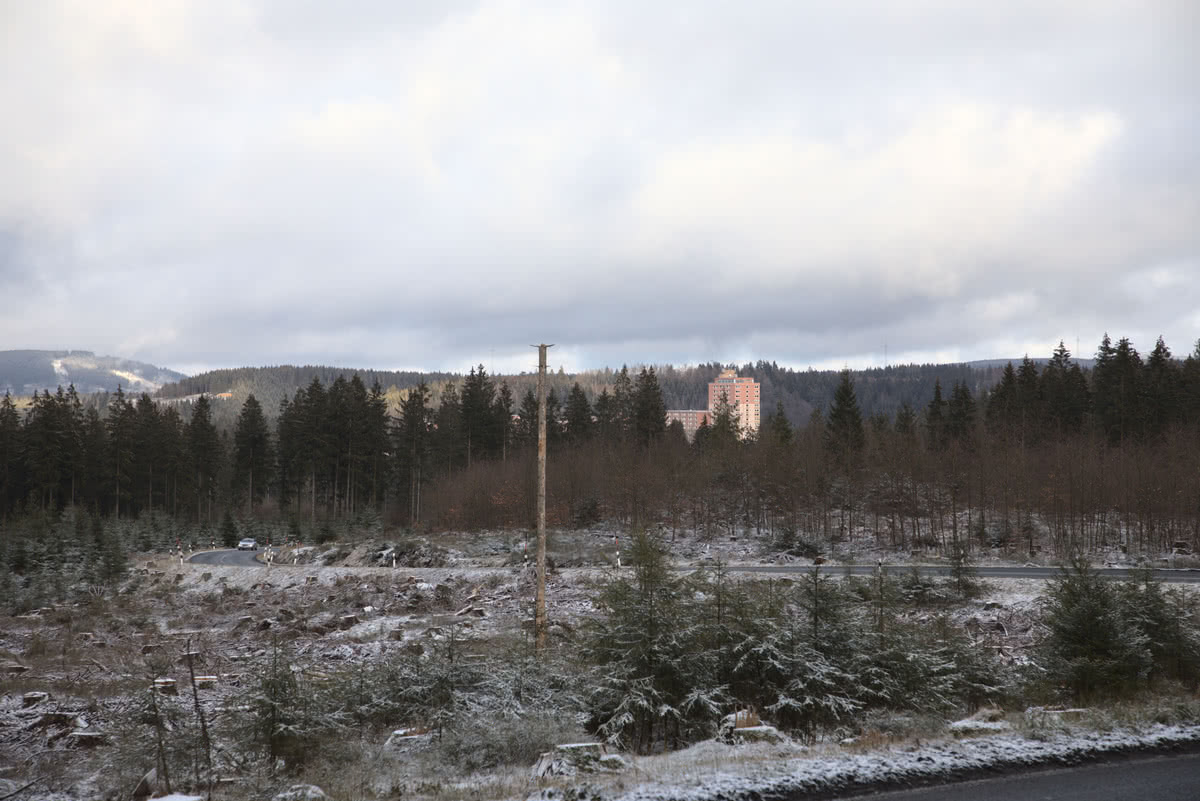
745 719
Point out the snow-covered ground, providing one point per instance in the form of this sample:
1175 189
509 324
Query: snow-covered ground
777 773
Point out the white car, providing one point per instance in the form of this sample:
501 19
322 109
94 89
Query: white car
248 544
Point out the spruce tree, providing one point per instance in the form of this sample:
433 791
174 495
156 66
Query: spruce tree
1190 387
10 453
503 410
1029 401
527 432
935 419
120 427
606 416
1001 410
844 434
778 429
623 404
960 419
448 437
553 418
1162 390
252 454
204 452
412 434
649 410
478 418
579 415
906 421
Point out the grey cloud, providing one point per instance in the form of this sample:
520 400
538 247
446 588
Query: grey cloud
418 185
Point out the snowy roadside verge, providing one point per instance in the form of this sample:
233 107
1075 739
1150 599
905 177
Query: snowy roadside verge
960 760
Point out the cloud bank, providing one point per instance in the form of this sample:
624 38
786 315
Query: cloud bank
204 184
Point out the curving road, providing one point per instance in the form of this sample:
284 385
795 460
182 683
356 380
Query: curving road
228 558
1158 778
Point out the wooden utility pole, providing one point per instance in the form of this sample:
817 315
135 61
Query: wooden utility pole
539 610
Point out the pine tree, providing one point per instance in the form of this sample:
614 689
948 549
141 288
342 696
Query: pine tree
252 454
1117 378
1190 387
1064 393
553 418
606 416
1162 391
722 430
778 429
1091 646
173 443
93 461
377 442
120 427
10 456
527 432
935 419
147 452
649 410
844 434
42 450
317 445
503 411
579 415
412 433
906 421
288 471
960 419
204 452
644 644
448 439
478 418
1001 409
1029 401
623 404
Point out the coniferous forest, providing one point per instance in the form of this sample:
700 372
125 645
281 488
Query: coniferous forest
1054 458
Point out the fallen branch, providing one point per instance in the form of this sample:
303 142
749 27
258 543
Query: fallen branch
20 789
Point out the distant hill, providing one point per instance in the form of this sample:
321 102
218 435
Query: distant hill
24 372
270 385
879 390
1085 364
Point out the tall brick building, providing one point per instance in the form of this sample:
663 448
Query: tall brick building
741 393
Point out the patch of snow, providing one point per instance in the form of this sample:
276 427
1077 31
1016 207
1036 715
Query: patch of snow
134 380
970 726
930 764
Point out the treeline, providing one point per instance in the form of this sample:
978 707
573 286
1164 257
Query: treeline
881 390
1057 457
284 379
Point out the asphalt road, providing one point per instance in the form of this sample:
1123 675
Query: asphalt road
1157 778
1176 576
229 557
247 559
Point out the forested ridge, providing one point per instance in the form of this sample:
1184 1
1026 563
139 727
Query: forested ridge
1056 457
881 389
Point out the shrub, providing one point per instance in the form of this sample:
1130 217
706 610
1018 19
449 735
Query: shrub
1092 649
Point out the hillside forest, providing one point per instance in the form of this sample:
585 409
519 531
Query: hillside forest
1053 458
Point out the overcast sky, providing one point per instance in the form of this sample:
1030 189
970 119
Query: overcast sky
211 183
